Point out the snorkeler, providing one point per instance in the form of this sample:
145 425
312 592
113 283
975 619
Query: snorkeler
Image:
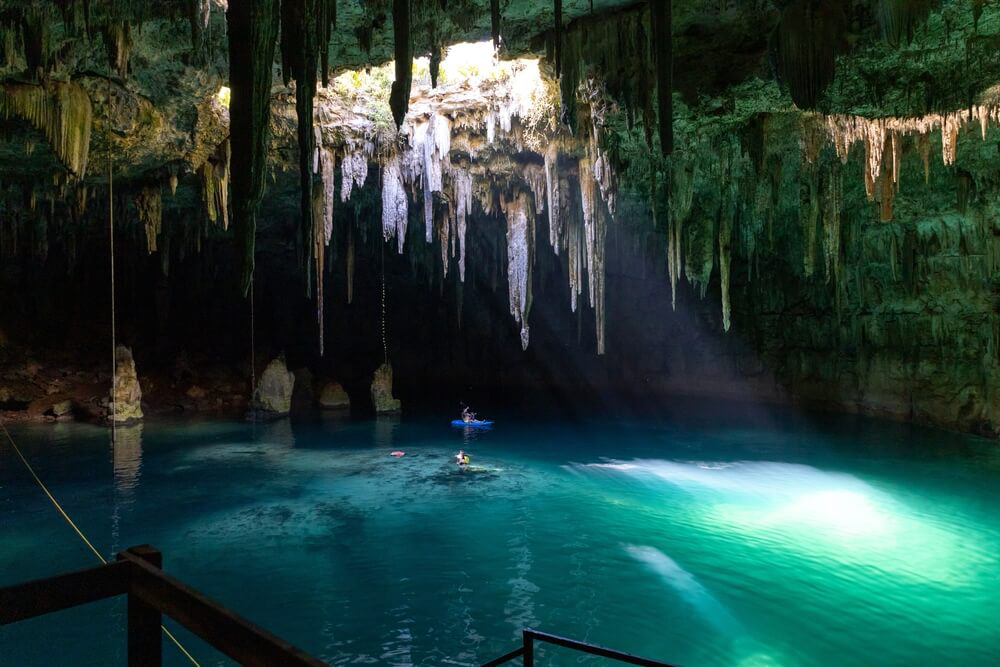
462 458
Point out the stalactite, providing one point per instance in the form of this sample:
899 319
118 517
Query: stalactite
300 53
353 171
681 199
118 43
557 10
327 167
444 237
149 206
520 239
61 111
595 232
899 18
924 147
808 217
660 16
831 224
200 11
552 193
462 202
725 257
395 207
214 174
37 39
399 95
809 36
319 242
253 29
435 62
495 22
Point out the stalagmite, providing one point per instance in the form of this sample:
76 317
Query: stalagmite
394 203
253 29
149 206
520 235
59 110
381 391
126 394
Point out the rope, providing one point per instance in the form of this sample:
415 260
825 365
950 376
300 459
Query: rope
253 362
385 346
111 236
76 529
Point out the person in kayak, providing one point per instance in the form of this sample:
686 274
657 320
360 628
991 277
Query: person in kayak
468 416
462 458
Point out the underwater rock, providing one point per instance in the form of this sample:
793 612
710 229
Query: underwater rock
126 392
273 397
382 397
333 397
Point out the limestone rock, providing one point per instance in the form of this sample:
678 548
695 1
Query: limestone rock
274 390
62 408
333 397
382 397
126 393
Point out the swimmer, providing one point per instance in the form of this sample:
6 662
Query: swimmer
462 458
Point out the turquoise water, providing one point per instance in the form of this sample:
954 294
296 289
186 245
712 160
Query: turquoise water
751 542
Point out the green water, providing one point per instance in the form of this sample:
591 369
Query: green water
751 542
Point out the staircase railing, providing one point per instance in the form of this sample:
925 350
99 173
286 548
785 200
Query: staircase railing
527 651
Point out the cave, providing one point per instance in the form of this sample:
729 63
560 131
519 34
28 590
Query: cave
430 332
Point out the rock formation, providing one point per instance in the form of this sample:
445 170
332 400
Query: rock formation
273 396
382 398
333 397
126 394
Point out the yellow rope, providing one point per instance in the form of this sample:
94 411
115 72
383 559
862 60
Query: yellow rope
79 532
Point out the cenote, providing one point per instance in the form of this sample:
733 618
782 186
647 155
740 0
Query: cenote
764 541
487 332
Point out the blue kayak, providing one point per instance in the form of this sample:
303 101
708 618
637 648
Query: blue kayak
475 423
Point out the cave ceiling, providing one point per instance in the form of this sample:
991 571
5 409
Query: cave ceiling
160 75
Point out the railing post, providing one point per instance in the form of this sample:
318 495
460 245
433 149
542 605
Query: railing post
144 639
529 648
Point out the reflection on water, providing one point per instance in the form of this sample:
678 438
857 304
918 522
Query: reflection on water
385 430
127 453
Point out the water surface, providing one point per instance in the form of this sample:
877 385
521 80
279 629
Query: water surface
752 542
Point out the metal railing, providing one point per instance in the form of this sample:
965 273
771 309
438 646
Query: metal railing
527 651
151 593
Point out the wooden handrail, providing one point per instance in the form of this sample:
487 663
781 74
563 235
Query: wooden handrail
151 592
